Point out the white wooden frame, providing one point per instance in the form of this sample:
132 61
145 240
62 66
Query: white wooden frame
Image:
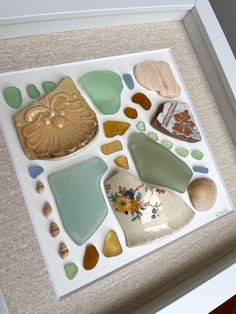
18 18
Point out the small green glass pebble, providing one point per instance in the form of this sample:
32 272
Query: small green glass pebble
48 86
197 154
153 136
141 126
32 91
12 96
181 151
71 270
167 144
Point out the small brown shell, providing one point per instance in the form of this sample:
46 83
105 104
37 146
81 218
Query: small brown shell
54 230
63 250
47 210
39 187
202 193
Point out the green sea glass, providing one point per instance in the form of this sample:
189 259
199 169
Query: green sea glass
167 144
32 91
79 198
156 165
12 96
181 151
48 86
104 88
153 136
197 154
71 270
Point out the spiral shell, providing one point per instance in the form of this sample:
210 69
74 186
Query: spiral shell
202 193
57 125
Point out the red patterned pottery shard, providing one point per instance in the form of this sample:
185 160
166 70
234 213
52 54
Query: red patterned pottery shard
175 119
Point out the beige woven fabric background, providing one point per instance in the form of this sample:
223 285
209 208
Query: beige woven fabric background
23 275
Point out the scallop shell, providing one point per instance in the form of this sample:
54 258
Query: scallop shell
57 125
202 193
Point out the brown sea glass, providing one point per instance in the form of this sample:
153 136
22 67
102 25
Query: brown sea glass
91 257
131 113
113 128
142 100
112 246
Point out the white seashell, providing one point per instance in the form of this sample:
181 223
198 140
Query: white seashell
202 193
157 76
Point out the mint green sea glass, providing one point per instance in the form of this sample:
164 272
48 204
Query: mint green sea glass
156 165
12 96
104 89
48 86
79 198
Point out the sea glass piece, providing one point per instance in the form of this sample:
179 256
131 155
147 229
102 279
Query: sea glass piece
167 144
12 96
142 100
35 171
122 162
145 213
112 246
113 128
157 76
104 89
175 119
197 154
32 91
48 86
91 257
182 152
63 250
156 165
141 126
112 147
202 193
131 113
58 124
153 136
79 198
71 270
200 169
128 80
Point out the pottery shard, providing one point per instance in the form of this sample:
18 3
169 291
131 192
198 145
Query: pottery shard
91 257
202 193
112 147
54 230
47 210
176 120
122 162
63 250
112 246
157 76
113 128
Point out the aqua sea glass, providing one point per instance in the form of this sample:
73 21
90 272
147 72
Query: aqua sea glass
32 91
79 198
104 89
156 165
48 86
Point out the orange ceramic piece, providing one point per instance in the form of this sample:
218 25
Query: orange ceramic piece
112 147
91 257
131 112
142 100
113 128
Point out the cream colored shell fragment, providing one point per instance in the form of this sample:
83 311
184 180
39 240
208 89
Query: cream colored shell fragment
58 124
157 76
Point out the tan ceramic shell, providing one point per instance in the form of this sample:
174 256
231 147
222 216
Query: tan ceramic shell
202 193
57 125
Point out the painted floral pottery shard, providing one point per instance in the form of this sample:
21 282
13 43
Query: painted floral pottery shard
157 76
145 213
156 165
175 119
104 89
58 124
79 198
